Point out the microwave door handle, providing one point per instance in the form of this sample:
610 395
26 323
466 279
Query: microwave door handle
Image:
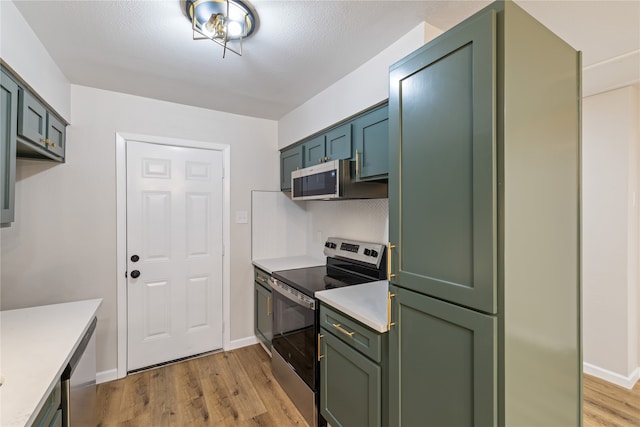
291 297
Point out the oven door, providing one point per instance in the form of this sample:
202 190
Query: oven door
294 331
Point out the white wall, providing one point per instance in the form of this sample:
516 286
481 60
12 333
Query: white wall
21 50
610 235
62 246
364 220
362 88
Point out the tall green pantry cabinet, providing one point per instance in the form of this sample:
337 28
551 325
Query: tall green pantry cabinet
484 223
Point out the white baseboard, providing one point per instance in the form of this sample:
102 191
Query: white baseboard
612 377
242 342
112 374
106 376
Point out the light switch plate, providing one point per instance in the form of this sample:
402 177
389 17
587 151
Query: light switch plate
242 217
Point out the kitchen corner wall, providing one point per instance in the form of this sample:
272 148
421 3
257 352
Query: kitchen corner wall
610 236
282 227
362 88
62 246
21 50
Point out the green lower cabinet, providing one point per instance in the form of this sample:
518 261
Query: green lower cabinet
442 360
350 385
50 415
263 314
57 419
354 375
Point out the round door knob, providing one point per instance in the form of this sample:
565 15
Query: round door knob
135 258
135 274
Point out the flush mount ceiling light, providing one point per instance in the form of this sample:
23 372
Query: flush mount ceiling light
226 22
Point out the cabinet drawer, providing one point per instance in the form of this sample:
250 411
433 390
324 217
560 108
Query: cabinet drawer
47 414
261 277
352 332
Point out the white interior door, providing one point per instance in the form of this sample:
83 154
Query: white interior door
174 252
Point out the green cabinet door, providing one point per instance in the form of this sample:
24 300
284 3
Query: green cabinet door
290 160
263 314
314 151
8 122
442 166
338 143
39 128
56 131
442 364
32 119
371 135
350 385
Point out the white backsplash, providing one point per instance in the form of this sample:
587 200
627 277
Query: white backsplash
284 228
364 220
279 227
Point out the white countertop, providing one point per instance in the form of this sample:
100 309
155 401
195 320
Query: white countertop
366 303
287 263
36 345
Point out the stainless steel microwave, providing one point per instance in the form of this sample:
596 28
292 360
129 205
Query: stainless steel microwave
332 181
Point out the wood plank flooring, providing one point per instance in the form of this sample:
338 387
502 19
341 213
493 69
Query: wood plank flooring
606 404
236 388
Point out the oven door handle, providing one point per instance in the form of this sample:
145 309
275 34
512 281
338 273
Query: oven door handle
284 292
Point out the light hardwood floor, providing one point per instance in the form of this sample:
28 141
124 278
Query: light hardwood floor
236 388
606 404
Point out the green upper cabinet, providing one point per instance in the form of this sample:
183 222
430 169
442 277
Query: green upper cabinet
484 216
338 143
314 151
442 107
371 136
332 145
367 134
290 160
56 131
442 367
8 122
40 132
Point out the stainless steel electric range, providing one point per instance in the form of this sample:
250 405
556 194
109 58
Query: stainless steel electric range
296 318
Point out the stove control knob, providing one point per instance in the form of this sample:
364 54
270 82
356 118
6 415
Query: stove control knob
374 253
333 245
367 252
327 244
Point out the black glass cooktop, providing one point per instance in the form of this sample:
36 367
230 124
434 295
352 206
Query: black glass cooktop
312 279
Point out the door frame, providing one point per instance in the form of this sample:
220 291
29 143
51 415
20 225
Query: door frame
121 233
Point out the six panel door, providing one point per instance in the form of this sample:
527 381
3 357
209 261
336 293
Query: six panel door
174 252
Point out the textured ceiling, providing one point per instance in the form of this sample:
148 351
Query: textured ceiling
300 48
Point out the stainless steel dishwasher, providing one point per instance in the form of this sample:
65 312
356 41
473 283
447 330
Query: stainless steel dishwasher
79 383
